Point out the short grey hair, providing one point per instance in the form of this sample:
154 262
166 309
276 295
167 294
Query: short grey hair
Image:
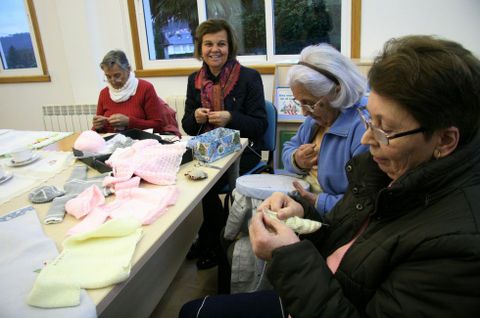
115 57
353 84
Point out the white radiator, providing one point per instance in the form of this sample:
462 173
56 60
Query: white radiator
177 102
79 117
68 117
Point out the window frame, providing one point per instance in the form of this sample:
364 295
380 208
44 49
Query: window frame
24 75
142 70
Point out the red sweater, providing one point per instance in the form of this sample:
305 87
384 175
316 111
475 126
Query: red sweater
144 110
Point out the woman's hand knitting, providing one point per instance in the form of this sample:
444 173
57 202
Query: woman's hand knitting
283 205
306 156
118 121
219 118
201 115
99 121
268 234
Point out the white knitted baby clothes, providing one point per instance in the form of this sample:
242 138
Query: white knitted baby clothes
95 259
148 159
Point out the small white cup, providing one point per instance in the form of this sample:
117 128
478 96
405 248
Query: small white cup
21 154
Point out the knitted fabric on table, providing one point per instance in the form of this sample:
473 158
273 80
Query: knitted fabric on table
131 183
95 259
44 194
148 159
89 141
76 184
146 205
85 202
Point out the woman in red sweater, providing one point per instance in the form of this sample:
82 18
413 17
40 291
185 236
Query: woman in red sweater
128 102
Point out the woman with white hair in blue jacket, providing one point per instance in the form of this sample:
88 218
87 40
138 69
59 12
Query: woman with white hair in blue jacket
329 88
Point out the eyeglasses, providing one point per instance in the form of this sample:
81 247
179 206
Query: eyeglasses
117 78
379 135
308 107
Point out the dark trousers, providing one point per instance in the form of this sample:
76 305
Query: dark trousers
258 304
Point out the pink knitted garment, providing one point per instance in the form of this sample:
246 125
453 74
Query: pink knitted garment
131 183
148 159
85 202
145 204
89 141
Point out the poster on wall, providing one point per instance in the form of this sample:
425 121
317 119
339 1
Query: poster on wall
287 107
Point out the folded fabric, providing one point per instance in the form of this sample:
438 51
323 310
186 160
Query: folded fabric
146 205
77 182
94 259
131 183
85 202
24 248
148 159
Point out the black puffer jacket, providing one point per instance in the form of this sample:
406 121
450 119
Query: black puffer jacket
418 257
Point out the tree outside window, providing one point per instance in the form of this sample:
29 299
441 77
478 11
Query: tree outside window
247 18
16 48
170 25
305 22
21 53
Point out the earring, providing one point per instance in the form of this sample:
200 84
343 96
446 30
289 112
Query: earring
437 154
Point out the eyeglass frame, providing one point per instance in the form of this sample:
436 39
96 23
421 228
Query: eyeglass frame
116 78
309 108
381 136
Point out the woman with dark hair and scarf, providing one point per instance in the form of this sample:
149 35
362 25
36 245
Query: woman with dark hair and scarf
222 93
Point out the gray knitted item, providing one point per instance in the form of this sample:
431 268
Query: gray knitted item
73 187
44 194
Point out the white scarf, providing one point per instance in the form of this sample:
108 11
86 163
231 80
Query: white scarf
124 93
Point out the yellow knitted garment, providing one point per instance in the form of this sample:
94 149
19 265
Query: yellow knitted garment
94 259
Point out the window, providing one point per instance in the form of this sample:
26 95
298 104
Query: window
300 23
163 30
21 53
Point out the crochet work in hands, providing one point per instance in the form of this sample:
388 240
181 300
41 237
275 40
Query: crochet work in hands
148 159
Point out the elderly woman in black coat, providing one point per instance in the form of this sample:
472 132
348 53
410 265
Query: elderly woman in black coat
405 239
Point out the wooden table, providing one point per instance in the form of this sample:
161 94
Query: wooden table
64 144
163 247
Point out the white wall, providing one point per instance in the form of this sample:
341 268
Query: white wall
76 35
457 20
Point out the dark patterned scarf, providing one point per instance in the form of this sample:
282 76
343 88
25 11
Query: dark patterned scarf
212 95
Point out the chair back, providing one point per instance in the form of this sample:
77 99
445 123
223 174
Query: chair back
270 135
269 142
